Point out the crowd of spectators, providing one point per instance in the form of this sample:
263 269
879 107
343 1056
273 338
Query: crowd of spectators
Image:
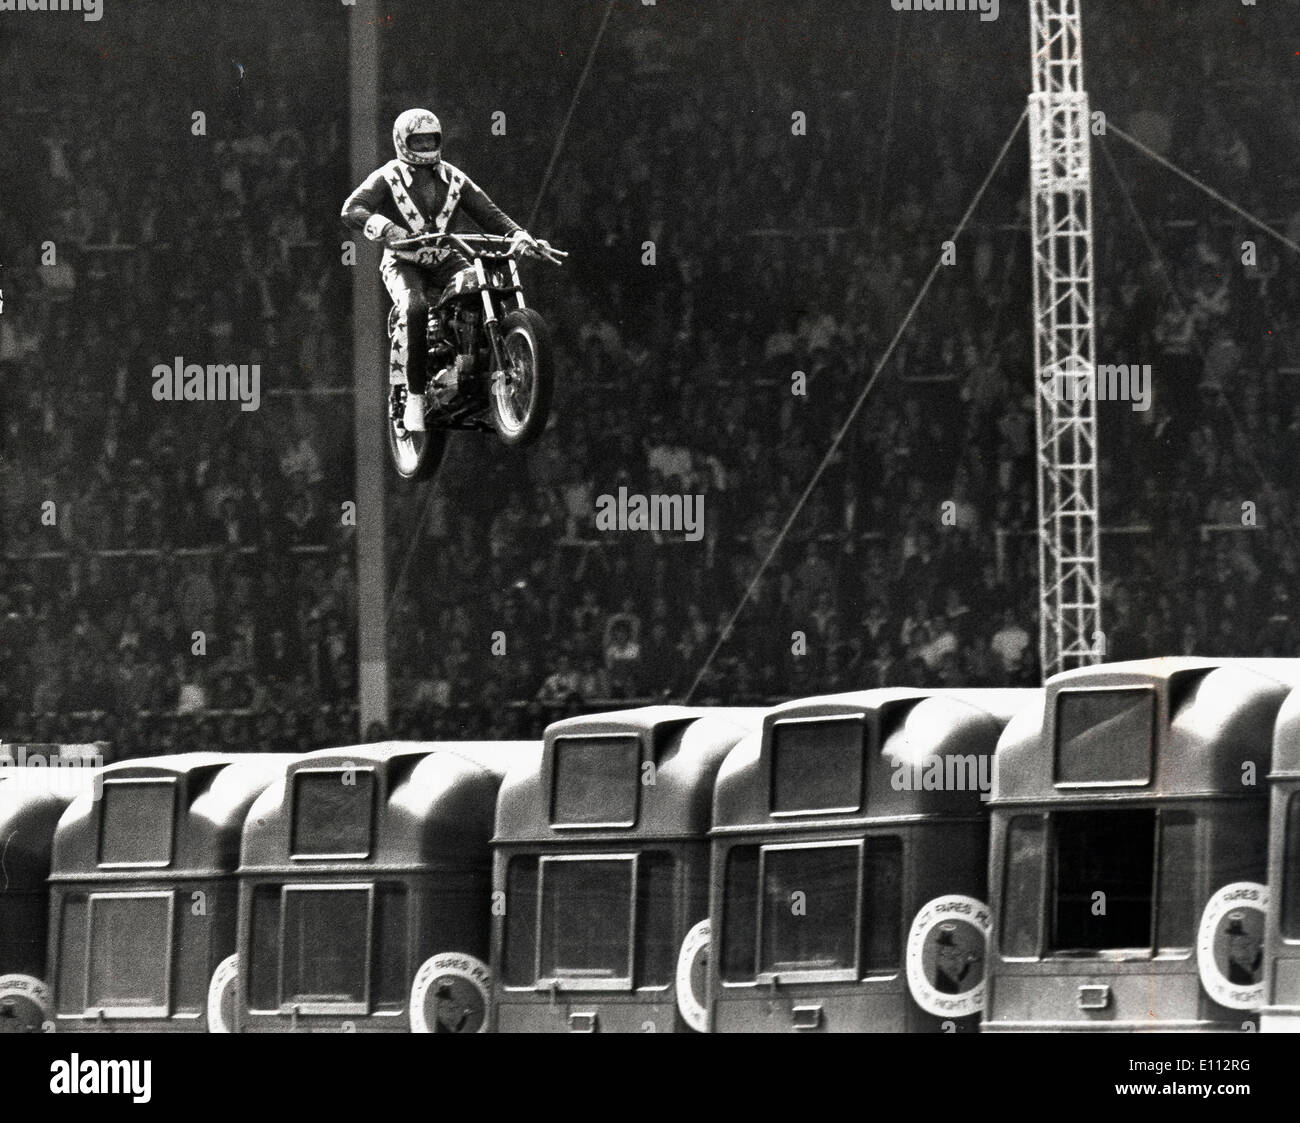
795 174
174 574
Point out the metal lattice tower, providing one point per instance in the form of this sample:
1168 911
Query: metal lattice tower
1060 172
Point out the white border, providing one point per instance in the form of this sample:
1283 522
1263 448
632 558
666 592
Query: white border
456 963
1237 895
953 906
694 1012
35 991
226 974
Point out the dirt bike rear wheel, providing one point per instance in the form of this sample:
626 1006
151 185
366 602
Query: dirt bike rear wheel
521 403
416 456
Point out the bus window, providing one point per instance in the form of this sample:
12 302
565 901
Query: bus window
1290 911
1176 911
333 812
1022 894
390 957
740 915
130 951
264 950
817 765
595 781
72 956
520 950
1106 852
136 822
1105 736
586 920
656 920
811 908
883 899
192 972
326 932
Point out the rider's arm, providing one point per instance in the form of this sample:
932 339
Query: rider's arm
483 211
361 211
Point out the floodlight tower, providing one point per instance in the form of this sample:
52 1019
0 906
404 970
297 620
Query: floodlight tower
1060 173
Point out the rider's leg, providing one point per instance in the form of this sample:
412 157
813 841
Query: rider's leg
406 284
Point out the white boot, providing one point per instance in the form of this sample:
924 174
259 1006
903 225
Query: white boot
413 416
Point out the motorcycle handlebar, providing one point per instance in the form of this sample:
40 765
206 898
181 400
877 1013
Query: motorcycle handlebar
466 243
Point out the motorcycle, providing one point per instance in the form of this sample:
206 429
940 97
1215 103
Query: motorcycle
492 353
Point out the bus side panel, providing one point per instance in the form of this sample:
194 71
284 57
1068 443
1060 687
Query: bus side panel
24 931
944 859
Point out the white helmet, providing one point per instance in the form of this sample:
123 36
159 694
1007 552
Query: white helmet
406 126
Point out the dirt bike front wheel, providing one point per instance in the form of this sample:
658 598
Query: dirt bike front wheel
521 397
416 456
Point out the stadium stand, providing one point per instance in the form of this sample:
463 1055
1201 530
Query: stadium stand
775 253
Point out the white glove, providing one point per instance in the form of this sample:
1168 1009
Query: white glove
521 239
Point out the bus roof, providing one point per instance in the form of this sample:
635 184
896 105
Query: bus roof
399 804
177 815
641 773
1286 739
1181 726
868 755
32 800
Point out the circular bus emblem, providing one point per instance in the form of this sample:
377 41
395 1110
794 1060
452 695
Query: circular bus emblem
450 995
693 977
1230 945
945 956
223 991
25 1004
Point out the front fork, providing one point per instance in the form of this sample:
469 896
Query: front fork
490 323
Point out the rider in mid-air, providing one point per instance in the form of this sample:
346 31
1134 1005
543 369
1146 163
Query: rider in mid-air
420 193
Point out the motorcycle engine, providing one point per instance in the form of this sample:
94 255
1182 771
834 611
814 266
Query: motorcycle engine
445 385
